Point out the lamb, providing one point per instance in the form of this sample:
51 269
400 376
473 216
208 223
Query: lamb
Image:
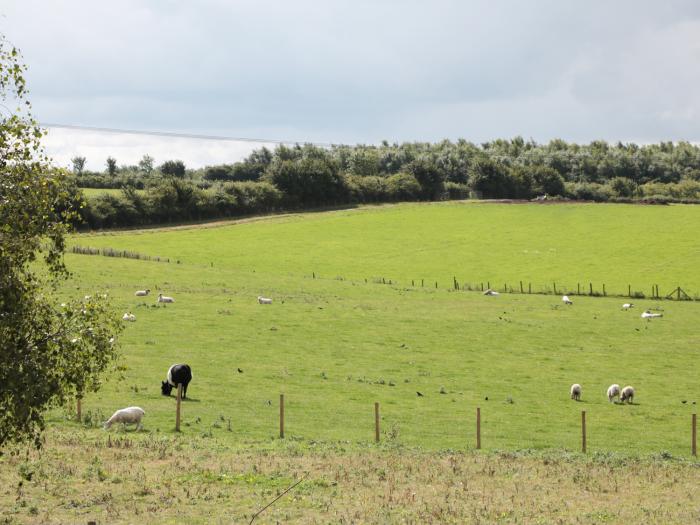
491 292
164 299
576 392
567 300
142 293
649 315
129 317
627 394
126 416
613 392
627 306
264 300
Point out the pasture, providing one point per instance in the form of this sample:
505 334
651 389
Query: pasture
336 340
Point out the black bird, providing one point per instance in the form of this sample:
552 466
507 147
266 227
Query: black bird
419 394
486 398
240 371
684 401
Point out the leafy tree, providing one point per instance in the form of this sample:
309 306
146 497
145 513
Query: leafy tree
49 352
173 168
78 164
431 180
111 166
146 164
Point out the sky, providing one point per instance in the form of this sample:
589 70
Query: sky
354 72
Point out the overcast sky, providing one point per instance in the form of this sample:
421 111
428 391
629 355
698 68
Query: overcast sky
355 72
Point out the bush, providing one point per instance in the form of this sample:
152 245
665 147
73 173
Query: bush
403 187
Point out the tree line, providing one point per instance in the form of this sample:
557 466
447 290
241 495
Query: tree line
305 176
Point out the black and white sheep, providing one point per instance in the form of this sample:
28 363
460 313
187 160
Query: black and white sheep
142 293
177 374
126 416
164 299
264 300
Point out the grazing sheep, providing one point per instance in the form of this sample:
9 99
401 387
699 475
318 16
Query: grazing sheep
627 306
129 317
142 293
649 315
126 416
177 374
613 392
264 300
491 292
576 392
627 394
567 300
164 299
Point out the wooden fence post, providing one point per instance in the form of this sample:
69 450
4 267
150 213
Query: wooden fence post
281 416
604 294
590 287
555 288
578 288
478 428
583 431
694 433
521 287
629 290
78 410
177 407
488 285
422 283
529 287
376 422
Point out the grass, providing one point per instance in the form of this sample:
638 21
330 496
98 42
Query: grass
617 245
337 344
159 479
95 192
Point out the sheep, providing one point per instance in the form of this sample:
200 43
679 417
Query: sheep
164 299
177 374
126 416
649 315
142 293
264 300
567 300
613 392
576 392
627 306
491 292
129 317
627 394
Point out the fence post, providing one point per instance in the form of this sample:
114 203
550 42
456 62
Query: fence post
78 410
281 416
590 287
521 287
529 287
412 283
177 407
679 293
422 282
376 422
629 290
583 431
488 285
435 284
578 288
693 445
604 294
478 428
313 274
555 288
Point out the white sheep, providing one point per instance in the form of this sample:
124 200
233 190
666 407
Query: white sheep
129 317
627 306
576 392
567 300
613 392
164 299
491 292
264 300
126 416
627 394
142 293
649 315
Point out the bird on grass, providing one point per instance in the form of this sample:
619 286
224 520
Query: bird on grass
419 394
567 300
240 371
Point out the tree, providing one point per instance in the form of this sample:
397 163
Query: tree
173 168
78 165
146 164
50 351
111 166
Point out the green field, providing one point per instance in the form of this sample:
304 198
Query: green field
95 192
336 340
335 346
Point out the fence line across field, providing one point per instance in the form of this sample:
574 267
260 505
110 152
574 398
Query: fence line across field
677 293
377 423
